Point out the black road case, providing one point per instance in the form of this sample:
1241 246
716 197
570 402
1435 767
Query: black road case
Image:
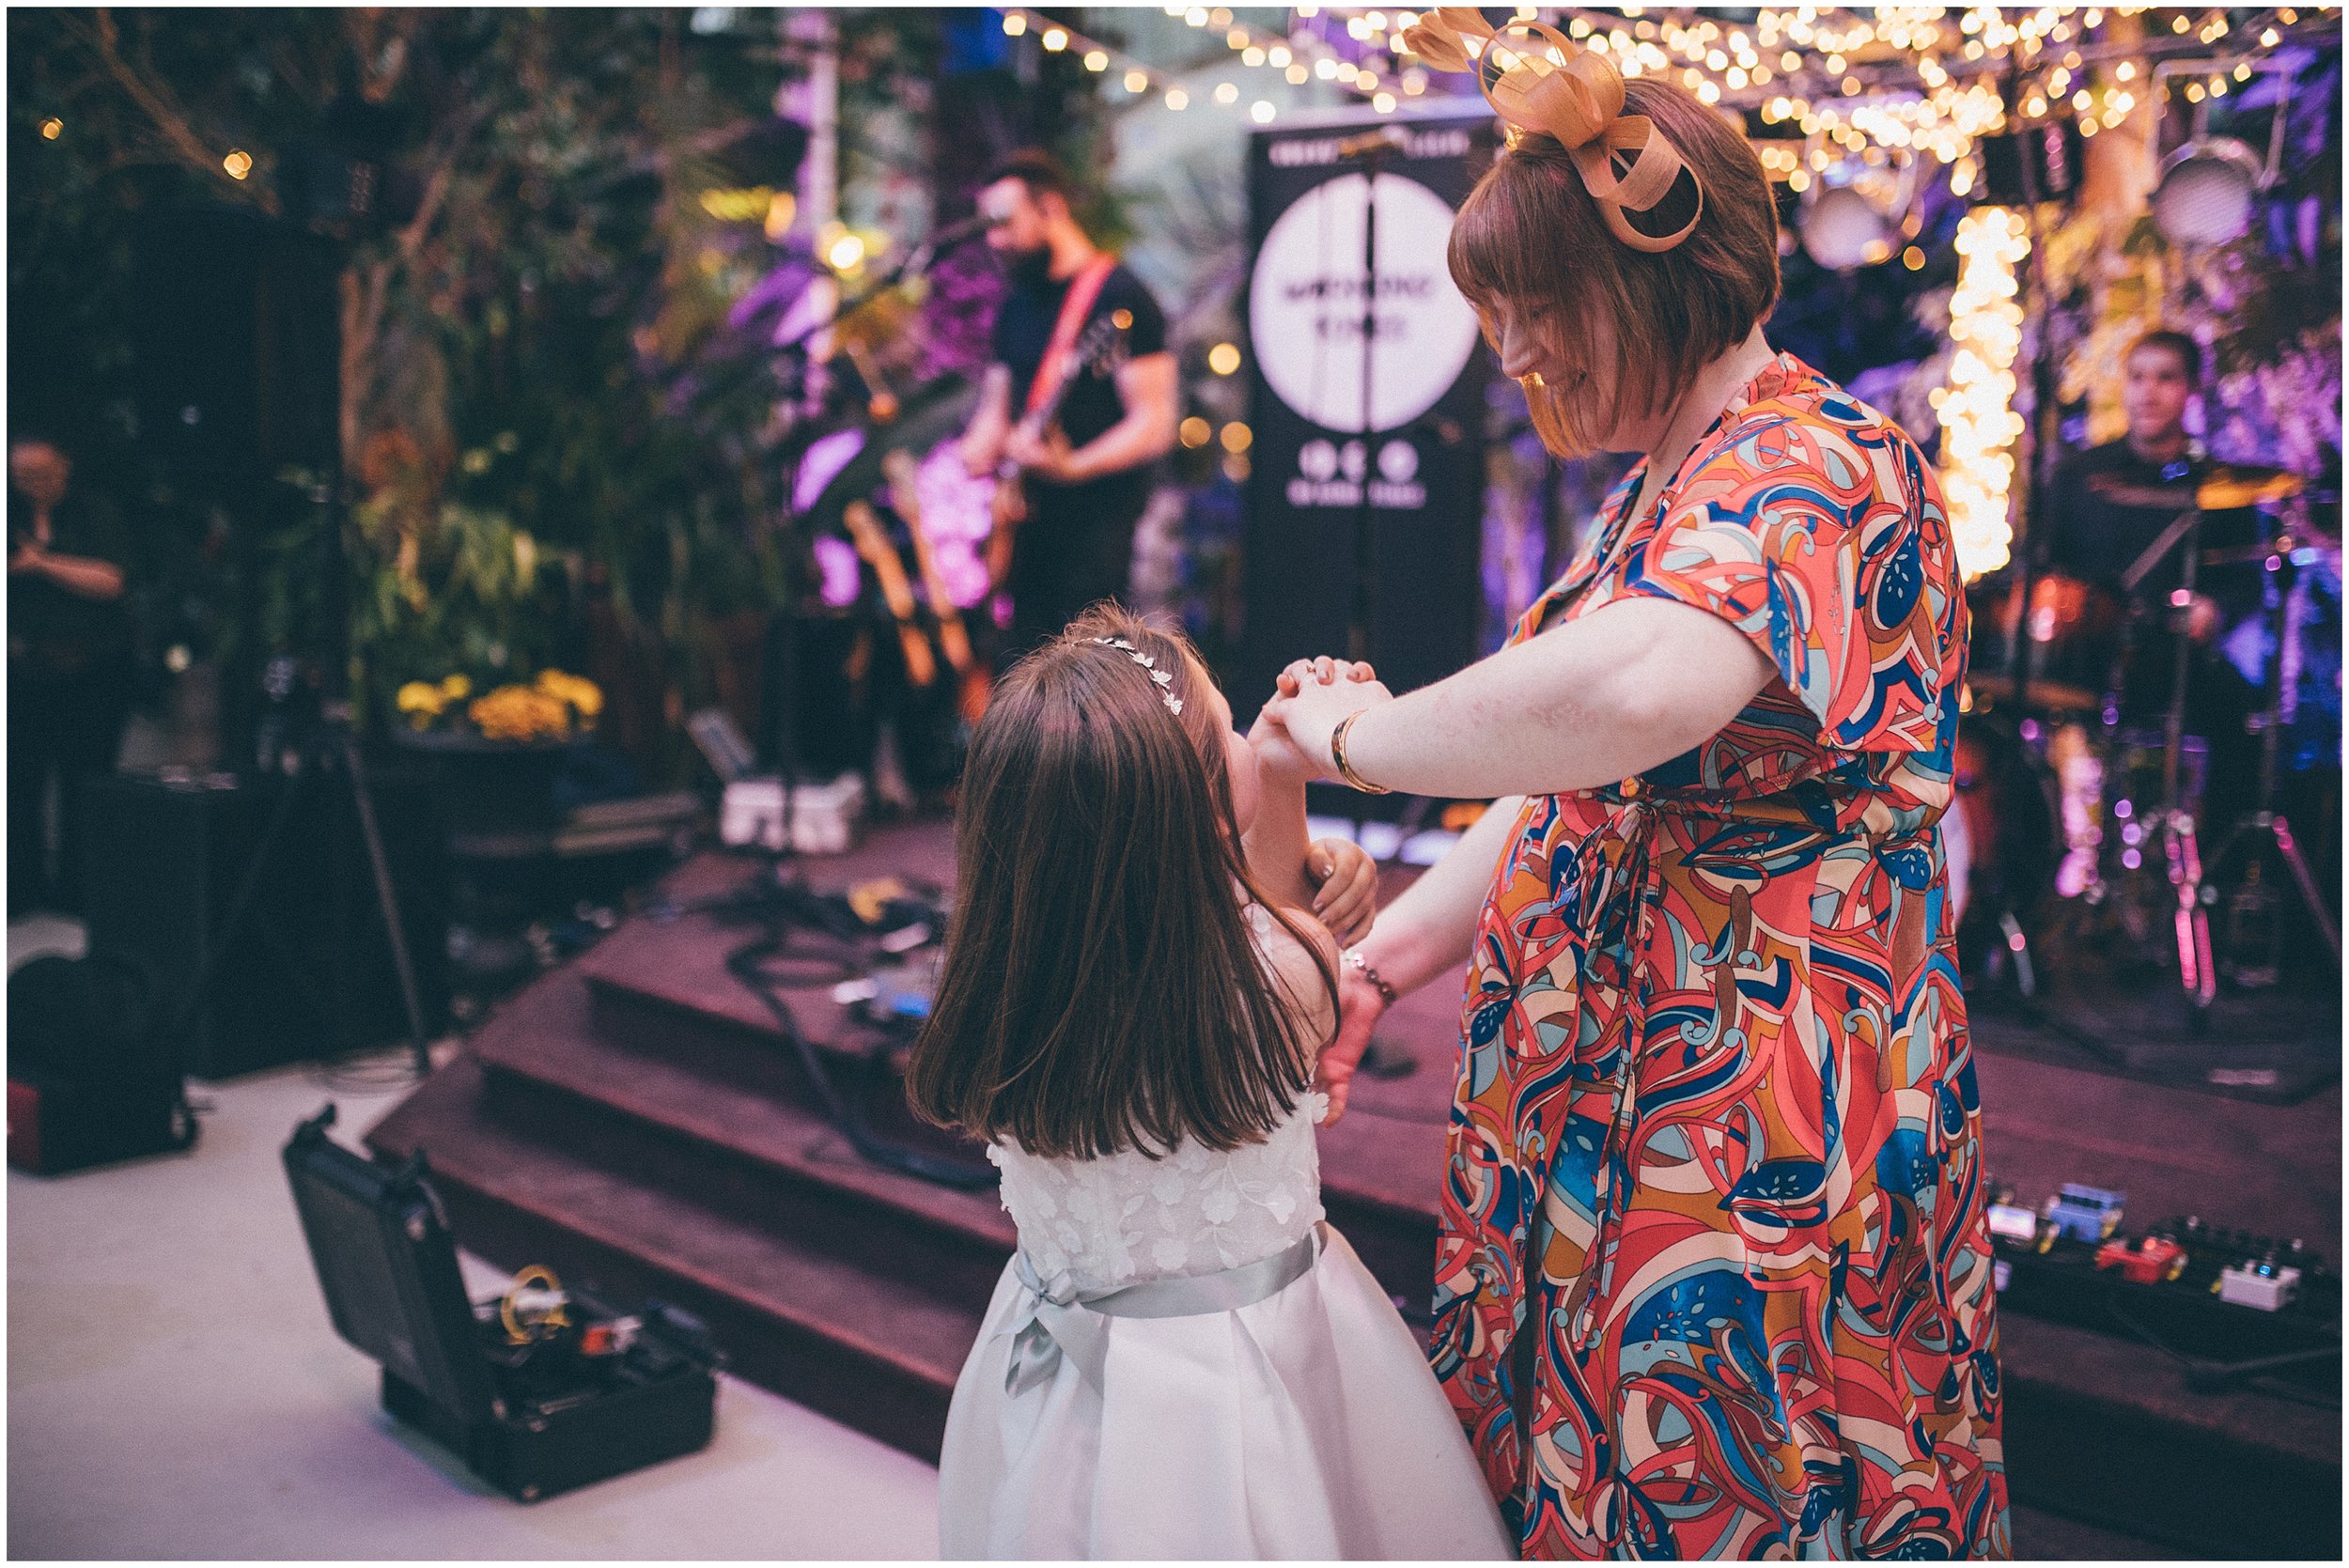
531 1421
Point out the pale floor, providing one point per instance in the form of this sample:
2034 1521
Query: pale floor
175 1389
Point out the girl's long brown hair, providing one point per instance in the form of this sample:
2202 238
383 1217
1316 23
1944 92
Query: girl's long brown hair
1101 992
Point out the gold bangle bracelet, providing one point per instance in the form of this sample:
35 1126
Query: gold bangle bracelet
1346 769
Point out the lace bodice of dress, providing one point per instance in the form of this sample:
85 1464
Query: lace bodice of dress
1127 1217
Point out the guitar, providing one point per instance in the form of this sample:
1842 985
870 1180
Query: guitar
899 468
873 544
1100 348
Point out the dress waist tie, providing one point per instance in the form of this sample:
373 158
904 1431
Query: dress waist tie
1056 1318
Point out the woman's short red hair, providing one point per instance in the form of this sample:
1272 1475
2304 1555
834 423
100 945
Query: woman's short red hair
1530 234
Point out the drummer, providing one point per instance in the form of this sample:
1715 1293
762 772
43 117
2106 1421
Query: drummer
2111 501
2109 505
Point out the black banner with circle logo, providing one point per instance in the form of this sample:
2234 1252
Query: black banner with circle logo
1422 457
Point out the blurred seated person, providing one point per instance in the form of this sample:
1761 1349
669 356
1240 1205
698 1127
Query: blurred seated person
2110 503
69 664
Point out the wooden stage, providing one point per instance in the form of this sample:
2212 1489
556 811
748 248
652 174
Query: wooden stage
637 1120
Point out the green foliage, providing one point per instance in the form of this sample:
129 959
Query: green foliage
539 355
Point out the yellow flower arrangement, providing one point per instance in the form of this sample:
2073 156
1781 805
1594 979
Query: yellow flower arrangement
423 702
552 709
543 712
519 713
582 694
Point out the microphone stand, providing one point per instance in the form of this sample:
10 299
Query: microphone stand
1364 604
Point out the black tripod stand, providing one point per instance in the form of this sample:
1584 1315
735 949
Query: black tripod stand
2263 833
329 749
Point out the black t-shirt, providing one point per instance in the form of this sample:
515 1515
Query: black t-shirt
51 630
2111 504
1125 323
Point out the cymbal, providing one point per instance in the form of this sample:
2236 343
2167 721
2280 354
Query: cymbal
2049 696
2228 489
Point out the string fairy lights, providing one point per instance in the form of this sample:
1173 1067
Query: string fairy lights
1979 424
1379 77
1909 80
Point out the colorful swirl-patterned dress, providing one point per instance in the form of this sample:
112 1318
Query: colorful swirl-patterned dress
1712 1222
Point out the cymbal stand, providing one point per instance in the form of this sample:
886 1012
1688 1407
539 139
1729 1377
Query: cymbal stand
2264 829
2181 850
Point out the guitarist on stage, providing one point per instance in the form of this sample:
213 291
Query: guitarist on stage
1076 409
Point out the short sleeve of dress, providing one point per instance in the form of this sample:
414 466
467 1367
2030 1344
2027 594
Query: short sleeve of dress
1827 546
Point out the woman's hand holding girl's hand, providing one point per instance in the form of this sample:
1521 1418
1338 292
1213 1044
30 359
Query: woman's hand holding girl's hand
1326 670
1349 879
1359 1008
1314 694
1279 762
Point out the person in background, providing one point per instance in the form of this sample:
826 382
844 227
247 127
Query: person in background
1086 475
2110 503
69 664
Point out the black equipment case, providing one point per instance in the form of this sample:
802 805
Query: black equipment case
532 1420
92 1079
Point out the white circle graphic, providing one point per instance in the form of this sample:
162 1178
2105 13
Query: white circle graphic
1398 462
1305 304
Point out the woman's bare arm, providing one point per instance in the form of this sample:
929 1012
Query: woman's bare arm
1629 685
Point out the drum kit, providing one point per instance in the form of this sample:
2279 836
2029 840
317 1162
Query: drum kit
2081 794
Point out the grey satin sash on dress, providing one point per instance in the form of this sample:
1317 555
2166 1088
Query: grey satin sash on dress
1057 1318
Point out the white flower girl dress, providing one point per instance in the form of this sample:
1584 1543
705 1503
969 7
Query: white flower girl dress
1185 1360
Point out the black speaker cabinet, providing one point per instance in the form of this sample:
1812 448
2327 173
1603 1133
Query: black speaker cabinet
307 971
236 336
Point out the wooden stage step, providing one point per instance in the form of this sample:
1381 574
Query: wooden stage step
638 1121
757 1159
662 988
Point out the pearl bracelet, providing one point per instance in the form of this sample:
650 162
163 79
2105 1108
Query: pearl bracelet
1353 956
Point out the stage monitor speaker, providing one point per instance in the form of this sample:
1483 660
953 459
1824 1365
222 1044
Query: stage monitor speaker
308 972
236 338
1422 457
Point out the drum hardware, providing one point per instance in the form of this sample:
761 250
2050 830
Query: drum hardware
2124 824
2255 925
1999 839
2174 820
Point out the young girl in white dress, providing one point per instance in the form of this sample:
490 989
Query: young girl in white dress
1183 1359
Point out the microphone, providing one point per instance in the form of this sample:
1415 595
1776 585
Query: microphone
1387 138
955 234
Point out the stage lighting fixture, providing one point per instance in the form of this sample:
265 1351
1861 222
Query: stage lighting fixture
1850 213
2207 190
1841 229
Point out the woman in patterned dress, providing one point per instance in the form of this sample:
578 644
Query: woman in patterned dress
1714 1277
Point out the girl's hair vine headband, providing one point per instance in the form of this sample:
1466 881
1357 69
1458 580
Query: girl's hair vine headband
1556 88
1163 678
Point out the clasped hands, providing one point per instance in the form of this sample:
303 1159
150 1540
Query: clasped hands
1311 697
1291 738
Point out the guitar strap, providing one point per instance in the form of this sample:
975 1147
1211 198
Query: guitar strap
1083 289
